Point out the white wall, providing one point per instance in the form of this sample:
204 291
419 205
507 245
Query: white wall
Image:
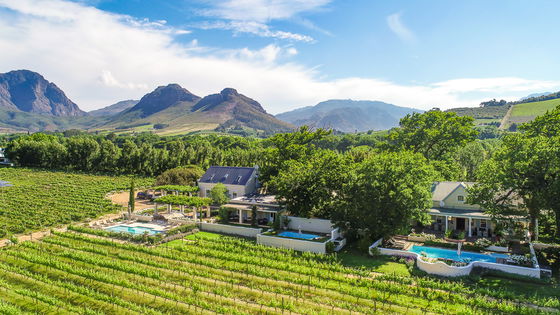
300 245
238 189
229 229
310 225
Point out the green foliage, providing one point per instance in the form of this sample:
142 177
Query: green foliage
131 197
182 200
254 215
219 194
286 147
329 247
385 194
216 274
224 213
186 175
311 187
434 134
178 188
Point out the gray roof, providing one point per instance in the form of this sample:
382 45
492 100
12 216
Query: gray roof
440 190
227 175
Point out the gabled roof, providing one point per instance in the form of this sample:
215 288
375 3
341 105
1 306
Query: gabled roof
440 190
227 175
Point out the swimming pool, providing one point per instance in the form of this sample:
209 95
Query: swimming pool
298 235
434 252
132 229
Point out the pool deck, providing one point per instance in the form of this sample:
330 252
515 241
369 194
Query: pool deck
155 227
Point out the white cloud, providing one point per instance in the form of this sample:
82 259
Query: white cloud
255 28
108 79
252 16
99 58
262 10
397 26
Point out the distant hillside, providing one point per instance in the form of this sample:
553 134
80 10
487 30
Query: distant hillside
175 110
524 112
348 115
534 95
114 109
18 121
483 115
30 92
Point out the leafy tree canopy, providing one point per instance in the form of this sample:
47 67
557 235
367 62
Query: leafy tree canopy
219 194
434 134
312 187
385 194
185 175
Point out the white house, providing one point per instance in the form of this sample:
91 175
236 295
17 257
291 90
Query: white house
451 211
239 181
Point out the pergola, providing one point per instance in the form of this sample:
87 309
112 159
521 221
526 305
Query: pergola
176 189
180 200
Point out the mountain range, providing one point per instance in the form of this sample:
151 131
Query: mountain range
28 102
348 115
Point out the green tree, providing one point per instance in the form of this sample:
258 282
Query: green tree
254 215
434 134
219 194
82 152
286 147
514 181
131 200
385 194
311 187
470 157
185 175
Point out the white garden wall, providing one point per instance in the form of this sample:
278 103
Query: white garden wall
310 225
442 269
300 245
229 229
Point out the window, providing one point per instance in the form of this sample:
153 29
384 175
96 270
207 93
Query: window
234 195
207 192
483 224
460 198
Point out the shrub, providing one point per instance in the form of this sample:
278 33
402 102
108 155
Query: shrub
160 126
329 247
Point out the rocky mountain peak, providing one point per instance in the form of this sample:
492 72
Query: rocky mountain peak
29 91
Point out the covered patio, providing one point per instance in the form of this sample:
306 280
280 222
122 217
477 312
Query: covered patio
242 209
474 223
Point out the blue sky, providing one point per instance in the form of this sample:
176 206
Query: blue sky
288 53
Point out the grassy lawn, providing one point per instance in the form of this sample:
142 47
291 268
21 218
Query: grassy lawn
535 108
350 256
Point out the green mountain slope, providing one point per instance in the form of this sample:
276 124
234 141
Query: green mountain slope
174 110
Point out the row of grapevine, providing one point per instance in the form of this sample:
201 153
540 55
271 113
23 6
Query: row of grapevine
226 275
41 199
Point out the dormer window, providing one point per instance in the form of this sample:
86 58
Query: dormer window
238 179
461 198
212 177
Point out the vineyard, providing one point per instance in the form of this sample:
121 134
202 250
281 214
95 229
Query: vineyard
40 199
78 273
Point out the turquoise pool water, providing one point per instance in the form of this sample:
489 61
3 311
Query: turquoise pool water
298 235
132 229
434 252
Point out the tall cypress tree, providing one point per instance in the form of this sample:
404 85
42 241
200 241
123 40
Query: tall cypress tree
131 198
